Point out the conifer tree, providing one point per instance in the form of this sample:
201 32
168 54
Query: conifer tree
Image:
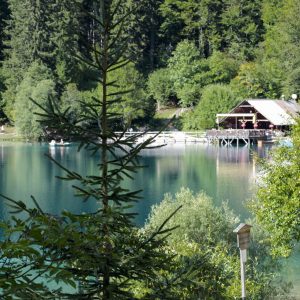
243 28
4 15
28 40
64 25
197 20
143 33
42 31
102 255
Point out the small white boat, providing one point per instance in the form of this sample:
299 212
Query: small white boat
53 143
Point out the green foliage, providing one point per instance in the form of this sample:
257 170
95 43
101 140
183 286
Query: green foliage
277 205
222 67
281 46
159 86
206 225
256 40
271 11
247 81
3 17
187 74
215 99
262 79
72 99
79 242
185 68
27 38
143 33
133 103
196 20
1 89
102 254
37 85
214 25
64 25
205 231
43 31
243 28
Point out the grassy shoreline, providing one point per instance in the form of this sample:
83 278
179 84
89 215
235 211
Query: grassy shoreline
10 135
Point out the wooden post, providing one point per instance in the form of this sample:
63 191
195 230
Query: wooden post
243 240
243 259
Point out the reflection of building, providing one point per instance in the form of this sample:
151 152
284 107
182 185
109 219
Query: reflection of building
260 114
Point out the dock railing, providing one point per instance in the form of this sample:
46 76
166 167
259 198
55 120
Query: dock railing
238 134
167 137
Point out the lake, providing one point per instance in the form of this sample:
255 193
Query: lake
224 173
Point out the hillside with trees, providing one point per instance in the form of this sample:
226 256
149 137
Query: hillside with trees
182 53
86 68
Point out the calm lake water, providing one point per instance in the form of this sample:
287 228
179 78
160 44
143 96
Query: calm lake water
224 173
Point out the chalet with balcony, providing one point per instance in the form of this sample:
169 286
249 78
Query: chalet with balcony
254 120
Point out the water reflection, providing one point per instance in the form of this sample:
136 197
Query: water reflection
224 173
27 171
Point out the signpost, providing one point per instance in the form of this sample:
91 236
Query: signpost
243 241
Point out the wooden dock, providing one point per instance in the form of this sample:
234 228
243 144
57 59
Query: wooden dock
228 137
169 137
225 137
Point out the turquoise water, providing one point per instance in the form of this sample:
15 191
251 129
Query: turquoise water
224 173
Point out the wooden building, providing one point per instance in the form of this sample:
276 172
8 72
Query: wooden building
253 120
260 114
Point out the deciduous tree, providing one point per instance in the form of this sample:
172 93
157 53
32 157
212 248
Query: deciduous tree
216 98
205 237
277 203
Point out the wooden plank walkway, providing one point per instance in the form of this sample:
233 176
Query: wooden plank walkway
170 137
223 137
229 136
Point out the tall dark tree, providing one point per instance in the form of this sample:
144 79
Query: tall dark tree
216 25
144 34
28 40
282 45
64 26
42 31
197 20
4 15
243 28
103 251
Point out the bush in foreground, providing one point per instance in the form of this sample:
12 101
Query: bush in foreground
203 236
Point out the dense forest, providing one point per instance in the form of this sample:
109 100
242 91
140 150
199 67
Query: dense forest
204 56
85 68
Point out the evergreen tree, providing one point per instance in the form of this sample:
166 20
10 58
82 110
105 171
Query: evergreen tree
101 251
42 31
28 40
277 64
64 25
234 26
243 27
4 15
143 33
197 20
